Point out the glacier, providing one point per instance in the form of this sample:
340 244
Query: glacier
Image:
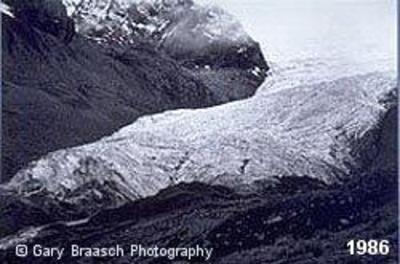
253 178
310 118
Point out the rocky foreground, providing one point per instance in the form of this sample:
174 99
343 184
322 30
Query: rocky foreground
297 220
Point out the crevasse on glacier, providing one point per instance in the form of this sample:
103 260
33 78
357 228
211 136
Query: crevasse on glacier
310 120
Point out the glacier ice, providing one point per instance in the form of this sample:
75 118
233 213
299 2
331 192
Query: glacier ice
309 120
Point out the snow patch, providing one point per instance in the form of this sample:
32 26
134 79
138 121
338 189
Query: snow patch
256 71
5 9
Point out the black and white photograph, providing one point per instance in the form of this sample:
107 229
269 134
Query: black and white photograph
199 131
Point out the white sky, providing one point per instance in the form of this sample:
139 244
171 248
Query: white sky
306 28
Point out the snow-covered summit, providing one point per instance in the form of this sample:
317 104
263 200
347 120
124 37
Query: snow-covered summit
198 35
152 18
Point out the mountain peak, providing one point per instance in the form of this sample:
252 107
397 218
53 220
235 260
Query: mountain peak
153 18
186 31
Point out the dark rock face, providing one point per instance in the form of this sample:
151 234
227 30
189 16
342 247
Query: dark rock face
61 91
46 15
386 159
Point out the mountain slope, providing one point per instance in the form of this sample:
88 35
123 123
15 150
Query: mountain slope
328 130
205 39
61 89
